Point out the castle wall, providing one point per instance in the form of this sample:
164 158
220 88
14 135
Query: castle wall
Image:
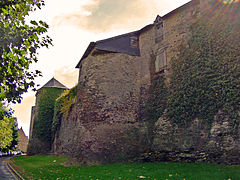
198 142
33 114
112 91
35 145
22 140
40 132
107 122
108 105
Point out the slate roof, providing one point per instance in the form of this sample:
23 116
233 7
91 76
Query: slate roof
54 83
122 43
118 44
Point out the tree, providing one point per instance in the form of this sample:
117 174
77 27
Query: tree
8 129
19 42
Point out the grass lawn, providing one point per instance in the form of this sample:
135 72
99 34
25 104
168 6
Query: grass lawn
48 167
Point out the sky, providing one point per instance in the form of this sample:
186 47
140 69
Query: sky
73 24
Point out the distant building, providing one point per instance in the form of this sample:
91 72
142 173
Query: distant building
22 141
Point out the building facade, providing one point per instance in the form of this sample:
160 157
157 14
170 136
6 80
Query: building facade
107 122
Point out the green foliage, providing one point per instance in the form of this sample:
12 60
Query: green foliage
48 167
205 75
19 42
8 129
8 134
4 111
157 101
5 132
68 100
43 124
62 106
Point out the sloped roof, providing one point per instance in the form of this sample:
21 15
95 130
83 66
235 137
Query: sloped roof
121 43
117 44
54 83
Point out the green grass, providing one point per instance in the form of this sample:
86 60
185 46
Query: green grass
48 167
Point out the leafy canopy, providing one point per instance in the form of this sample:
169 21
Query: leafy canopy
8 130
19 42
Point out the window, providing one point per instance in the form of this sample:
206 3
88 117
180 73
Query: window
160 62
159 33
134 42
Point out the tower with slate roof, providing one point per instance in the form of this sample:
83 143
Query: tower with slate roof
36 145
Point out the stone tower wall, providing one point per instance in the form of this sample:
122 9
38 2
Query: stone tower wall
108 105
35 145
107 122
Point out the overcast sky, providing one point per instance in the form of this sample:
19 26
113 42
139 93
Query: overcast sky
73 25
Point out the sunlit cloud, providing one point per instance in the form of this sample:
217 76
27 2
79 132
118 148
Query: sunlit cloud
67 76
20 109
105 15
23 112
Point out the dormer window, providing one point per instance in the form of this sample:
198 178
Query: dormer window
134 42
160 62
159 26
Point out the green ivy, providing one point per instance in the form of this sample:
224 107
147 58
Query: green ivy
205 75
46 101
157 101
62 106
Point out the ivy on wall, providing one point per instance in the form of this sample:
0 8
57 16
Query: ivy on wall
47 97
205 74
157 101
63 106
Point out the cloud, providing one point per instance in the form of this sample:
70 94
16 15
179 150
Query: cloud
67 76
104 15
23 112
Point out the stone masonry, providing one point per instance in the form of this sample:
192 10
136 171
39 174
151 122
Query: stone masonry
36 145
106 124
